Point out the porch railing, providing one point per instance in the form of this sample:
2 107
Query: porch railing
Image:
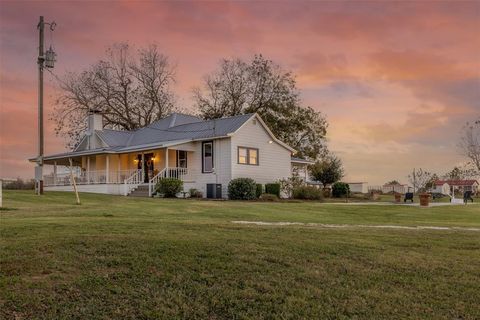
91 177
133 181
177 173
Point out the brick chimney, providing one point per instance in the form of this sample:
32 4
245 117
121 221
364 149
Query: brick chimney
94 123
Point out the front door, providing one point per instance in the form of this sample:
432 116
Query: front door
147 164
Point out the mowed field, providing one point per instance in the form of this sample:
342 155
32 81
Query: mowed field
122 258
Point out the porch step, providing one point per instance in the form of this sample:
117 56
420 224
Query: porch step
140 191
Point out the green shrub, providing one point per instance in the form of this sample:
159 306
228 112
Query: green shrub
327 192
340 189
307 193
194 193
259 190
242 189
273 188
268 197
169 187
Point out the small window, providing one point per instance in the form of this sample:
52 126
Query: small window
181 158
242 155
252 156
207 157
247 156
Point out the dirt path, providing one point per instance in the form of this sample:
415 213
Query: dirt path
347 226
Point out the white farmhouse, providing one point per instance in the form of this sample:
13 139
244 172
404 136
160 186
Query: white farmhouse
205 154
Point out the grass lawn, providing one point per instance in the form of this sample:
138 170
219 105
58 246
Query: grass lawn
124 258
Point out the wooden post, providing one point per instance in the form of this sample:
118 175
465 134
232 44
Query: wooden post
1 182
73 181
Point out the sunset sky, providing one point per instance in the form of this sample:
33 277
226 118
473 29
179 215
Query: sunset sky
395 80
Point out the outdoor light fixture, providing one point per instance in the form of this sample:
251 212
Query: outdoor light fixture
270 141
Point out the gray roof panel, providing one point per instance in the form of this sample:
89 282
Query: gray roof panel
157 132
114 138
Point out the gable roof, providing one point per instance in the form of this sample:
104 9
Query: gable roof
456 182
173 130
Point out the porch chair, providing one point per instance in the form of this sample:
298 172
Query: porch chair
408 196
467 195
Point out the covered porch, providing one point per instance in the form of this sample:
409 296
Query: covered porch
108 168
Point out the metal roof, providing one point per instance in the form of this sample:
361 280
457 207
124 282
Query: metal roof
456 182
197 129
300 160
172 130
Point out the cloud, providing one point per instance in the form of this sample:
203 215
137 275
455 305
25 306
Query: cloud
394 78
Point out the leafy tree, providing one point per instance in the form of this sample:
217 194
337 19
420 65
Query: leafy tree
460 173
340 189
131 88
262 86
327 171
470 143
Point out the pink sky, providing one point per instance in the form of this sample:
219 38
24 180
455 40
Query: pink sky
396 80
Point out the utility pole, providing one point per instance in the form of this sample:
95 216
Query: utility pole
41 59
414 181
44 60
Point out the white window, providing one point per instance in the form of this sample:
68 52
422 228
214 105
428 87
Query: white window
181 158
247 155
207 157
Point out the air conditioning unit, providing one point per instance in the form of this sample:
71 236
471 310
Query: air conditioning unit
214 191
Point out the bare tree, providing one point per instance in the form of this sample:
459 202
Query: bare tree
421 179
131 89
470 143
262 86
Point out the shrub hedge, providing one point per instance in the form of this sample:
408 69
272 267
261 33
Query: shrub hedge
169 187
259 190
242 189
273 188
307 193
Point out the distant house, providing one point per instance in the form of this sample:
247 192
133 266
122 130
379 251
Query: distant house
462 185
205 154
358 187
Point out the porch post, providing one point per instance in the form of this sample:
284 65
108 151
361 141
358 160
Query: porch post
167 172
107 169
118 168
88 169
143 167
54 173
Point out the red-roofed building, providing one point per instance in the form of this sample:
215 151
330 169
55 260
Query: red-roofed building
462 185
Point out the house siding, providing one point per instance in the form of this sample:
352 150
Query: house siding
222 163
273 159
